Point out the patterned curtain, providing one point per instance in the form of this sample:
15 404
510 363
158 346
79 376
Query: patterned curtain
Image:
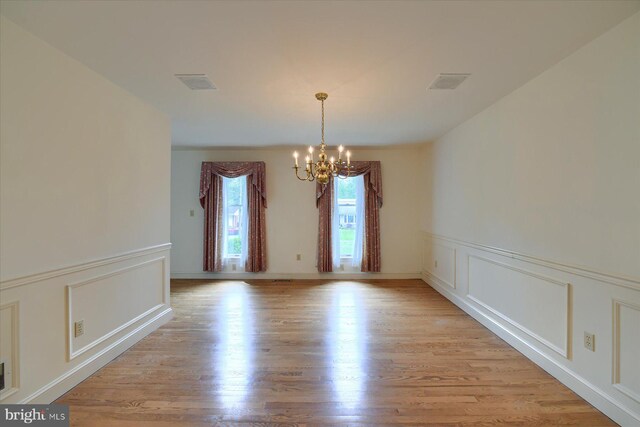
324 203
372 176
211 200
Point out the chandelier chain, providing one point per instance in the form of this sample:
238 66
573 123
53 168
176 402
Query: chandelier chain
322 122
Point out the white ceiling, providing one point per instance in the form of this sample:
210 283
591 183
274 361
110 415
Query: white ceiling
375 59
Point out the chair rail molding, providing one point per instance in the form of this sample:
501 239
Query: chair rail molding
606 277
63 271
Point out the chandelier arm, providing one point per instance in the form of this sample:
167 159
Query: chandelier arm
312 172
302 179
348 171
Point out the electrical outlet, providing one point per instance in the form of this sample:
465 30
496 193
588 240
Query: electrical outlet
192 212
589 341
78 328
298 257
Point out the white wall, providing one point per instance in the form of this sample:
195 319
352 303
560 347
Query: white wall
532 215
84 217
292 217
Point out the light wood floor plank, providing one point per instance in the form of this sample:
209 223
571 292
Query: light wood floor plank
368 353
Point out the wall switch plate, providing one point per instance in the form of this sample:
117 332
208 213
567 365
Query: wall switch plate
589 341
435 263
78 328
192 212
298 257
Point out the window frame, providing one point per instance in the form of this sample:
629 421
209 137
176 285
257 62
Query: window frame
234 258
345 259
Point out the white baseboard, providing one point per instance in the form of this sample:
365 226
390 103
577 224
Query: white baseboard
295 276
592 394
79 373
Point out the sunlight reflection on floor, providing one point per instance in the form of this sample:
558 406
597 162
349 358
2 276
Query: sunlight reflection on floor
234 353
347 343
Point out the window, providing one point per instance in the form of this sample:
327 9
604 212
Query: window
234 211
221 202
348 220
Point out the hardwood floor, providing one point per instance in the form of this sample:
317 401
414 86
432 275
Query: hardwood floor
317 353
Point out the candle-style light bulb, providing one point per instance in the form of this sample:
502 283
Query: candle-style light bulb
332 159
348 158
340 150
295 156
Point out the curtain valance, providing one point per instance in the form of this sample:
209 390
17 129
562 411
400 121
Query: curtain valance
373 180
256 170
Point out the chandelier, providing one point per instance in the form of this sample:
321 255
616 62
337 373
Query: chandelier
323 168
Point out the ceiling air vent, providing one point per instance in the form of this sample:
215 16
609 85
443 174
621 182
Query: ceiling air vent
196 81
448 81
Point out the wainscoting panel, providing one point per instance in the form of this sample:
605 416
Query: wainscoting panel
440 261
120 299
99 303
10 347
626 349
537 305
542 308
